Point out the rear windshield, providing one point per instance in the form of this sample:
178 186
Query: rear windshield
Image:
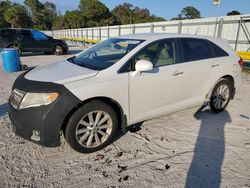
105 54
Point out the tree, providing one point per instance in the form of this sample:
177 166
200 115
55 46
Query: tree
96 13
190 12
4 5
43 15
17 16
50 14
234 12
126 13
73 19
179 17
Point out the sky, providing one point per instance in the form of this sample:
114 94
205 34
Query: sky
166 8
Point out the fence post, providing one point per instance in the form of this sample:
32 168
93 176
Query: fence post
100 33
133 29
220 28
92 32
87 34
179 27
152 27
237 36
119 30
108 34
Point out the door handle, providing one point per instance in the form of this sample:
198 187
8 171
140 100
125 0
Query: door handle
215 65
176 73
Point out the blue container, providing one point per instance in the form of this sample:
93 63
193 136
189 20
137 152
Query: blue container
11 60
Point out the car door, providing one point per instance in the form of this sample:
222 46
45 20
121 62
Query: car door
158 91
25 39
197 65
43 44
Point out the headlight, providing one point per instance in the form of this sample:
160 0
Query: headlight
37 99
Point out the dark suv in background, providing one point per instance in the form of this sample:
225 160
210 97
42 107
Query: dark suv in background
29 40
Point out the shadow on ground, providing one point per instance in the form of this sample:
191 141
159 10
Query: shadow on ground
205 169
4 109
132 128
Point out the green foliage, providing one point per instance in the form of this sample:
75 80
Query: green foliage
126 13
190 12
4 5
96 12
43 15
17 16
234 12
91 13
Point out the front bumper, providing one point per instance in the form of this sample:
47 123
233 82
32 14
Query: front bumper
48 119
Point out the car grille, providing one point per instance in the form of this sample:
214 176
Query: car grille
16 98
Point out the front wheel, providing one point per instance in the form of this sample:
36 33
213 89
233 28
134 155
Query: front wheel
92 127
221 96
58 50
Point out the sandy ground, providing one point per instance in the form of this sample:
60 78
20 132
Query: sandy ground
184 149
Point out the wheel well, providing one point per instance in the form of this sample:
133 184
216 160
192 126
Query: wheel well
15 44
230 79
115 105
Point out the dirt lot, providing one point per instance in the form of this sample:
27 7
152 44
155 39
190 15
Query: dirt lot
182 149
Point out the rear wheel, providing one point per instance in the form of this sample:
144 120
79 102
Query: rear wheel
221 96
92 127
58 50
16 47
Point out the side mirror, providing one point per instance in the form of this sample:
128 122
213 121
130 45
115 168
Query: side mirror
143 66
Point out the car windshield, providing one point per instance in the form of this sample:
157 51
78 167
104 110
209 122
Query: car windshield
105 54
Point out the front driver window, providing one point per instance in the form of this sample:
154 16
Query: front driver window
160 53
38 35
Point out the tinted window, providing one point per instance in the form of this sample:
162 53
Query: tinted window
25 33
160 53
195 49
8 32
38 35
218 52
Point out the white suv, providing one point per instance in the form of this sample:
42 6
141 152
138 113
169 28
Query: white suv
120 82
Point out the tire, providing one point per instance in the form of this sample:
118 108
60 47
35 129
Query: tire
221 95
58 50
16 47
81 135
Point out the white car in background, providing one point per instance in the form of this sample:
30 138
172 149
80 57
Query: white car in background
120 82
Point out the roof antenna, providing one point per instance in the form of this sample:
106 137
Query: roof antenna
197 31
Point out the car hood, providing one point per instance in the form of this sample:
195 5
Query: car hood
61 72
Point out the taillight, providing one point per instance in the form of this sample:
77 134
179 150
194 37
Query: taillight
241 62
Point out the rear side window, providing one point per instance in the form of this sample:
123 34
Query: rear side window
8 32
217 51
38 35
25 33
195 49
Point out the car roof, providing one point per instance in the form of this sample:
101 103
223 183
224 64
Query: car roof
16 29
155 36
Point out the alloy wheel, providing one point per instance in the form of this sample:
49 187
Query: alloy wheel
221 96
94 129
